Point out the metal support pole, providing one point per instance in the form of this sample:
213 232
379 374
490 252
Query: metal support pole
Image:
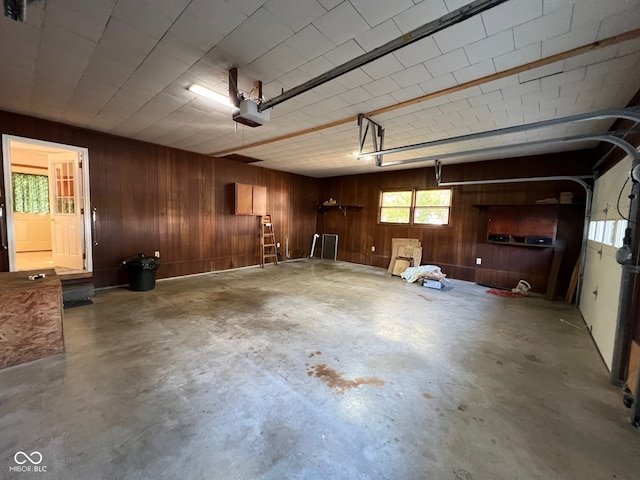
381 135
625 300
474 8
233 87
377 136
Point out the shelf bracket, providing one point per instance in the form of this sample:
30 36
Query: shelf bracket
343 210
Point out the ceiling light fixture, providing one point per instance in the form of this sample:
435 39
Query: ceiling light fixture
210 94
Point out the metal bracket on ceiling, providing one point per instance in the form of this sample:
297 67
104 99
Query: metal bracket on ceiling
632 113
234 93
438 169
377 136
607 137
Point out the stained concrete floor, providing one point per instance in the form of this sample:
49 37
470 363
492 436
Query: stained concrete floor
318 370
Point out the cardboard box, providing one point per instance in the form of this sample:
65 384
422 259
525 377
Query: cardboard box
400 265
437 284
396 243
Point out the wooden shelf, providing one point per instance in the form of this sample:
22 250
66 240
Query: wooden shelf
487 205
343 208
511 243
522 225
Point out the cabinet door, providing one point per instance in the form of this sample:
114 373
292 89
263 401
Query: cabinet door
244 199
541 223
504 221
259 206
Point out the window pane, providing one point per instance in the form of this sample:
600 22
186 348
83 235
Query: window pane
599 231
396 199
436 198
609 227
432 215
592 230
620 231
395 215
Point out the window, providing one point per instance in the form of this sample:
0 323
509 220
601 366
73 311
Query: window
609 227
64 192
621 228
592 230
432 207
415 207
599 231
396 207
30 193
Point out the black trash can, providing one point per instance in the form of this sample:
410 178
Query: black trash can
142 272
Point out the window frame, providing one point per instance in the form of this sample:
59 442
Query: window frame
412 207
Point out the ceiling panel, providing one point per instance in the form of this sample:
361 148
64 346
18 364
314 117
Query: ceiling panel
124 67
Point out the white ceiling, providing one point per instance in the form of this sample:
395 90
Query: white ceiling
123 67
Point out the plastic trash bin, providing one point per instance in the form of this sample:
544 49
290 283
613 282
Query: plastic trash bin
142 272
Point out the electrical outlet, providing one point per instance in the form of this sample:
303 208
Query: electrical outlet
278 245
157 254
478 261
373 249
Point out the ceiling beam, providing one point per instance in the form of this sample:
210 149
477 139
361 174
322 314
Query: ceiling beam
616 39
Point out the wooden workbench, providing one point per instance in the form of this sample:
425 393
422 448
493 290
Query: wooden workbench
30 317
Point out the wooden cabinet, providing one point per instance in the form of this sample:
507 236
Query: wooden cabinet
524 225
516 242
250 199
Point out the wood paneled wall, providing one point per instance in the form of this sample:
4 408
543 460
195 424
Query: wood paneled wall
150 197
455 247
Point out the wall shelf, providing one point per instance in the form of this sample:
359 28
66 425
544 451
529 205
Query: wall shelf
487 205
343 208
523 241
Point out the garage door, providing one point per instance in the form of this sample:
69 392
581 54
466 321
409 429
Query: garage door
602 275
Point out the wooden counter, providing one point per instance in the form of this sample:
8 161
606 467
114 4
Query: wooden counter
30 317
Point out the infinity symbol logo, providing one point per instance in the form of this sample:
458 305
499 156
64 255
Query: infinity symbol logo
31 458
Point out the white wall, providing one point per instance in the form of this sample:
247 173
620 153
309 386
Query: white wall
602 272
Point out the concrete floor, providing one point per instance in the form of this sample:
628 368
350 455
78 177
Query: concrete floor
318 370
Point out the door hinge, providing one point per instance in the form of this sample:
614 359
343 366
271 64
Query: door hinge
80 164
82 211
84 256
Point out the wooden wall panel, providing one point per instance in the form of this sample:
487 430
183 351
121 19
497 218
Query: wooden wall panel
150 197
303 203
456 246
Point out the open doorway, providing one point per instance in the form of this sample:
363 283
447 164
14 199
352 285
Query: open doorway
47 195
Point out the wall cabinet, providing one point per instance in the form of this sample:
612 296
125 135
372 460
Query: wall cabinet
517 242
250 199
524 225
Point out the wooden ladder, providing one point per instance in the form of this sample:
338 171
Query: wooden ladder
267 241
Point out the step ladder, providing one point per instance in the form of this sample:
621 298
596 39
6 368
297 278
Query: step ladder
269 251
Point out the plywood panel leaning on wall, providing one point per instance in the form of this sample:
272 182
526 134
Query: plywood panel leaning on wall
405 247
31 317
